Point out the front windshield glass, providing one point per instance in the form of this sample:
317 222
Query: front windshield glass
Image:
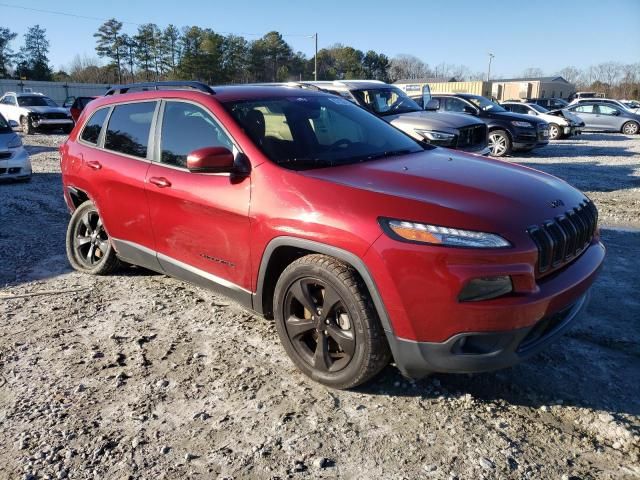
302 132
36 101
538 108
4 125
386 101
485 104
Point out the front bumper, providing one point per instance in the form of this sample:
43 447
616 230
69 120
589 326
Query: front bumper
52 123
528 138
472 352
16 167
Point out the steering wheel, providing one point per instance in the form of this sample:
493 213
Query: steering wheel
345 142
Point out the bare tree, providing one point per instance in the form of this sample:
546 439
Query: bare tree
532 72
571 74
408 66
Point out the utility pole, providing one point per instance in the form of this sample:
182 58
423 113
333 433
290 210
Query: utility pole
315 59
491 55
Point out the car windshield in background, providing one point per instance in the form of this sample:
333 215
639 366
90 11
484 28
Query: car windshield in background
538 108
36 101
4 126
387 101
485 105
303 132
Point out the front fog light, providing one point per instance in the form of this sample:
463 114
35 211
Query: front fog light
484 288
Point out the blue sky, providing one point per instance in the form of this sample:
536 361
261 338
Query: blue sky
521 34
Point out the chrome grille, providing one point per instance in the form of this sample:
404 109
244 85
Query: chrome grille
470 136
565 237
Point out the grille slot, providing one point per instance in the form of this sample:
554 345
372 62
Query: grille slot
470 136
565 237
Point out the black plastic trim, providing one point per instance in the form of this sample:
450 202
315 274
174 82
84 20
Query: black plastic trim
119 89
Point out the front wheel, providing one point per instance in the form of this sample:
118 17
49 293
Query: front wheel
27 126
555 132
88 247
630 128
327 323
499 143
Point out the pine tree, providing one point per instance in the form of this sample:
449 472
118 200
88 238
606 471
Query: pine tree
109 43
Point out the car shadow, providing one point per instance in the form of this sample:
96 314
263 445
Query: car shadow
596 364
572 150
34 149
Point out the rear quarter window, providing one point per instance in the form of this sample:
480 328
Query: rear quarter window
92 128
128 128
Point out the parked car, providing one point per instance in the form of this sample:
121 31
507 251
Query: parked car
607 101
394 106
562 124
631 104
577 95
507 131
34 111
549 103
14 159
598 116
361 242
76 105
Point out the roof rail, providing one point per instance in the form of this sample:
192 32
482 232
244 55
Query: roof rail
202 87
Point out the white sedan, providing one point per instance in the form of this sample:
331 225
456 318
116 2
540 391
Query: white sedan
14 158
562 123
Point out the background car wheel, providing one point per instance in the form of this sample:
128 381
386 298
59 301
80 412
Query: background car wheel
88 247
630 128
499 143
555 132
327 323
27 127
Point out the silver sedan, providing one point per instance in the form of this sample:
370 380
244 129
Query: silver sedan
14 158
600 116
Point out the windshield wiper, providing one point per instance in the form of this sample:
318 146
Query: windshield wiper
306 162
389 153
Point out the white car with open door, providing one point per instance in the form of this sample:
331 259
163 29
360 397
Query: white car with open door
35 111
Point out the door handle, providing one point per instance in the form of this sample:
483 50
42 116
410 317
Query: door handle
160 182
93 164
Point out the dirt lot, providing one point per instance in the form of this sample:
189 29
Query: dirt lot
142 376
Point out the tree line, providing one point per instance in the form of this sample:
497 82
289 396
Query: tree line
194 53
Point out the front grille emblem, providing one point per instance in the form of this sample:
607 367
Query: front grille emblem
556 203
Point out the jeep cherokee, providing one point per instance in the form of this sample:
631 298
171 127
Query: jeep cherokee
363 244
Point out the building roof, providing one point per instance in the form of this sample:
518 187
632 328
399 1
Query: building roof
557 78
426 80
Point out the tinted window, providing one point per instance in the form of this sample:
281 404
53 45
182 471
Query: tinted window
452 104
36 101
301 132
185 128
128 130
387 101
584 108
92 129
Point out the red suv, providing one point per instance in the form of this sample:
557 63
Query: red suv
361 243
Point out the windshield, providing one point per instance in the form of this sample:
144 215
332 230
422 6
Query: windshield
538 108
302 132
386 101
36 101
485 104
4 125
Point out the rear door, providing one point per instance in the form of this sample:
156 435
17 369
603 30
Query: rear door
114 164
587 114
200 220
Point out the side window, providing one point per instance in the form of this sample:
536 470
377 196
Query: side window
128 129
607 110
452 104
584 109
185 128
91 131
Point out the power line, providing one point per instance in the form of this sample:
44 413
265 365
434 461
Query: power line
86 17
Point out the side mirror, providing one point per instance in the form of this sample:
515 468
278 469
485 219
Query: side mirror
432 105
13 124
616 113
210 160
469 110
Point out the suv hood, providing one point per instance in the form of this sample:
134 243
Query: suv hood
512 116
46 109
432 120
458 190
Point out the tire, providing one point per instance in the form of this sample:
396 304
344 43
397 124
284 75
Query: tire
88 247
555 132
341 347
499 143
630 128
27 127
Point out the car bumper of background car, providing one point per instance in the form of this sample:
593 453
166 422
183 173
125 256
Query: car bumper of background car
435 332
17 167
51 122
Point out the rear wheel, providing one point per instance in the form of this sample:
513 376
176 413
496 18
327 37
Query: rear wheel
555 132
630 128
499 143
88 247
327 323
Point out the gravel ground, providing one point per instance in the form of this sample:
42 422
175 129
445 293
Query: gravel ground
142 376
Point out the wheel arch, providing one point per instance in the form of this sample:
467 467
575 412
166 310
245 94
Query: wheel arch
77 196
630 121
281 251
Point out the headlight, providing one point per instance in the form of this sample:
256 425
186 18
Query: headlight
518 123
437 235
15 142
438 138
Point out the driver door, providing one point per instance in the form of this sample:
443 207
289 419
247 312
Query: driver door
200 221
